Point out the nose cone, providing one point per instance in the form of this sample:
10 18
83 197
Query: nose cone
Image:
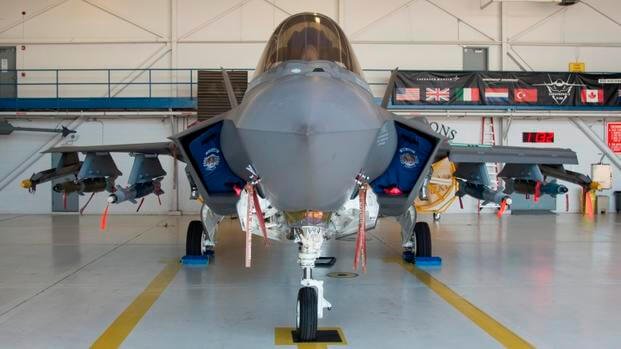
308 137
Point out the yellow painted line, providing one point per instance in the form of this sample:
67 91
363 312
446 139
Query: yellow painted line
116 333
498 331
282 336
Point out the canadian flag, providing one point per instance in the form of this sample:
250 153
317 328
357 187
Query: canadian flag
592 96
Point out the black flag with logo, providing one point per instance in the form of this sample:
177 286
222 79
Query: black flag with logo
548 89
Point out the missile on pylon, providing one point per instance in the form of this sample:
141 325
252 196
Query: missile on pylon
145 178
135 191
482 192
530 187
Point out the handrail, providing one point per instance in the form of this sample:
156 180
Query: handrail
59 80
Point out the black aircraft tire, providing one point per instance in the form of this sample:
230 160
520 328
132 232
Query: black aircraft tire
306 326
193 239
423 239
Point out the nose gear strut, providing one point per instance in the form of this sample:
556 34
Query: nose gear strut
311 301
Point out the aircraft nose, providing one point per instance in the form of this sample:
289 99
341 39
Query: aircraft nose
308 137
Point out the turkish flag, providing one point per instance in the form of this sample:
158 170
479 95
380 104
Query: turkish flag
525 95
592 96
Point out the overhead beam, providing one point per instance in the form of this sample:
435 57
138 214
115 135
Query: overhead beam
122 17
213 19
34 14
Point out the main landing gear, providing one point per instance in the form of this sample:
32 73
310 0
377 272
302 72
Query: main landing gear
197 241
419 243
311 302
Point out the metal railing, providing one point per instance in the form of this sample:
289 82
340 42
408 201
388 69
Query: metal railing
56 79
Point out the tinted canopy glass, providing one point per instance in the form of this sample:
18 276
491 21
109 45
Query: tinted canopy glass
308 37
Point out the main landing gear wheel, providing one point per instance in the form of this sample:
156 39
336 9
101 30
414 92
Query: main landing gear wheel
423 239
194 239
306 322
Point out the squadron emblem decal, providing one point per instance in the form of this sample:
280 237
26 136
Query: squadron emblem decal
408 157
212 159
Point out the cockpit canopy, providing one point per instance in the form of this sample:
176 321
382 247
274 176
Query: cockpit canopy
308 37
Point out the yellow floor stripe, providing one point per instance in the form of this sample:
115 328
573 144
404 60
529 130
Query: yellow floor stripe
487 323
116 333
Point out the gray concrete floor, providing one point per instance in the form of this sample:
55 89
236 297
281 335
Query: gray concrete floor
553 280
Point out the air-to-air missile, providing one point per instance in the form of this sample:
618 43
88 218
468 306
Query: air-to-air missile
530 187
135 191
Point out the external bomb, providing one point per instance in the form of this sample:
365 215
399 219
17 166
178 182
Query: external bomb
482 192
89 185
69 164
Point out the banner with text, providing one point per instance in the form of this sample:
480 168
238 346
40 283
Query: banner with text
506 88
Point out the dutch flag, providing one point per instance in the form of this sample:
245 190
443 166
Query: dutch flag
497 95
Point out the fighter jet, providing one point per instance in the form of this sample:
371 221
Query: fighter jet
308 156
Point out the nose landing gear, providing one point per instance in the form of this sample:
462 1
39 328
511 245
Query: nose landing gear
311 302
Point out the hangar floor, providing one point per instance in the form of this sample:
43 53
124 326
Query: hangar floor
554 281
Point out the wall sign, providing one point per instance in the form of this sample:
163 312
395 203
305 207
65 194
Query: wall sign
613 136
577 67
444 130
538 137
507 88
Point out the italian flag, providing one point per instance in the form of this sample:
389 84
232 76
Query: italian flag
468 94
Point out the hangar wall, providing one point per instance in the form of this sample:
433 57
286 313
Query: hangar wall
415 34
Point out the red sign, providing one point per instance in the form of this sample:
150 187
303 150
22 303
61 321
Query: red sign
614 136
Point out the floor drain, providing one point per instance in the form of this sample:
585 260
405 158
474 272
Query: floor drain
342 275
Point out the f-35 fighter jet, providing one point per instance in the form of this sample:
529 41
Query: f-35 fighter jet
308 156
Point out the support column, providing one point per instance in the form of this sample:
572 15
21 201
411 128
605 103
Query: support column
503 39
173 47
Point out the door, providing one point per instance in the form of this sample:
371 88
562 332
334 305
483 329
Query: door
475 58
59 203
8 74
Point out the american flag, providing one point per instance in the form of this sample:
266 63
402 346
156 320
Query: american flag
408 94
437 94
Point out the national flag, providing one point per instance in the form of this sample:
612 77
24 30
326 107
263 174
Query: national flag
468 94
497 95
408 94
437 94
592 96
525 95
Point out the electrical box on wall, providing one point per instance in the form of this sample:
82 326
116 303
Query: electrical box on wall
602 174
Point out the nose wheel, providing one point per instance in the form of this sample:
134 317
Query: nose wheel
306 321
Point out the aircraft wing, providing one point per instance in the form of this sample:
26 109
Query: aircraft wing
474 153
468 169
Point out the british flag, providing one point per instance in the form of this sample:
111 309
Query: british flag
408 94
437 94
